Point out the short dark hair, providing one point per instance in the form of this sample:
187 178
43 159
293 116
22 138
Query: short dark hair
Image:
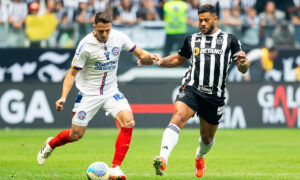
207 8
103 17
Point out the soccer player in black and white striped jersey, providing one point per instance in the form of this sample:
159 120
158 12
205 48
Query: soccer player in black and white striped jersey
203 85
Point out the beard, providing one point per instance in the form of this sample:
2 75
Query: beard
209 30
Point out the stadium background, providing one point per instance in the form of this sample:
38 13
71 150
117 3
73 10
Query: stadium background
38 40
37 58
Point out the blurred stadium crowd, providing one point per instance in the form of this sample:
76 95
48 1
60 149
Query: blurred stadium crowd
62 23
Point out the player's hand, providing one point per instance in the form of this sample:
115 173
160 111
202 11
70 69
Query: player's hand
241 56
59 104
141 63
156 57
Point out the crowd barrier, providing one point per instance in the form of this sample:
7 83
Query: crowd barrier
248 105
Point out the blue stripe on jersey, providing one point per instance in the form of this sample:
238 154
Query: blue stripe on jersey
133 48
80 48
77 68
78 99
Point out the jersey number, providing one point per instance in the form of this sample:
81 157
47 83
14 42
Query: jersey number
118 97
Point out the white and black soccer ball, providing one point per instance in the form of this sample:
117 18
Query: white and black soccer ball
98 170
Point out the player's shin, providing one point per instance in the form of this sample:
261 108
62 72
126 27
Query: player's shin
122 145
204 148
169 140
61 139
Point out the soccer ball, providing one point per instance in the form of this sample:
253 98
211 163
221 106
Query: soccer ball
98 170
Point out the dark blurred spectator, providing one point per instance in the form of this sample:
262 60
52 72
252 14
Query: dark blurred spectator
175 15
160 8
262 61
247 5
260 5
101 5
147 11
269 19
271 15
192 16
295 18
251 26
17 12
71 6
61 12
33 8
65 30
283 36
85 17
232 22
222 5
126 13
3 20
50 6
285 6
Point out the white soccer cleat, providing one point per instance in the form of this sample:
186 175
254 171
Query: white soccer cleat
116 173
45 152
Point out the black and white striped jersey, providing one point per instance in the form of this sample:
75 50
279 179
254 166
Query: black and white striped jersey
211 56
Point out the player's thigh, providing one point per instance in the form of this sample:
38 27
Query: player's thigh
185 106
116 104
85 109
182 113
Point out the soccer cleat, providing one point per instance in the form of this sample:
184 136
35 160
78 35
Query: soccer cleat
200 165
159 163
116 173
45 152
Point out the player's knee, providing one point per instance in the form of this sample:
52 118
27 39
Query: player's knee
76 136
129 123
179 119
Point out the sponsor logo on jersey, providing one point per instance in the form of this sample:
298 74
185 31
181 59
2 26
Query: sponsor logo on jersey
210 51
115 51
196 51
220 110
105 66
81 115
219 40
181 95
205 89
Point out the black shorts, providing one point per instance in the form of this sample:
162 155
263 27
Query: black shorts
209 111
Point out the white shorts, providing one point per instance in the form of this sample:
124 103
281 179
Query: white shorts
86 107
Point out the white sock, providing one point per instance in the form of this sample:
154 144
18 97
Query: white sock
204 148
169 140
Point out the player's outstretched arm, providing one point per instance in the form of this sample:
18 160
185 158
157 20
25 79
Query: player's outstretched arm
242 62
172 60
67 86
145 57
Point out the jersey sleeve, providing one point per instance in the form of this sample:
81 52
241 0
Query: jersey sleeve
186 50
236 47
128 45
80 57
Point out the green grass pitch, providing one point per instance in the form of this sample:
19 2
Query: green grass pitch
238 154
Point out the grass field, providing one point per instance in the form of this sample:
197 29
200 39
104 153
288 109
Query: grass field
238 154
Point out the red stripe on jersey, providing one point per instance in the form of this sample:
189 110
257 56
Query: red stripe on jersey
103 83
